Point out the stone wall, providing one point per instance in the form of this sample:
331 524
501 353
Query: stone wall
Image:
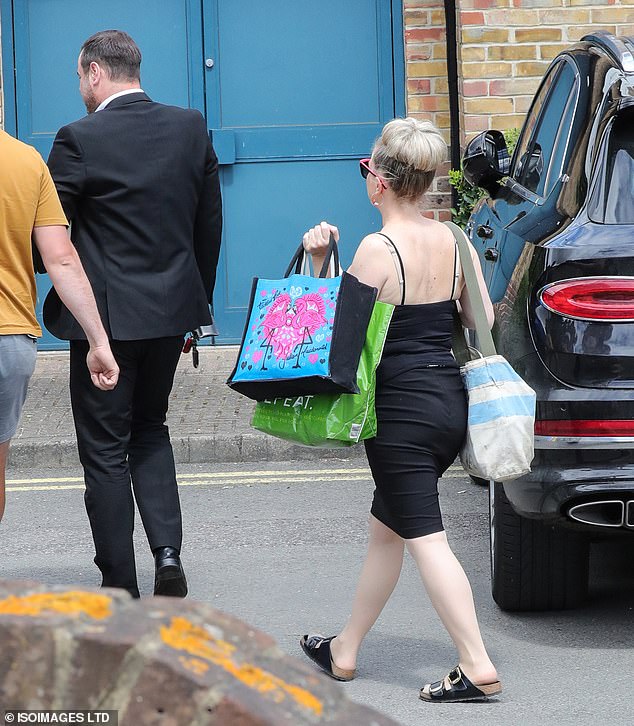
157 660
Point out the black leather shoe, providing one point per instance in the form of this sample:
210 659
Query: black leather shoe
169 579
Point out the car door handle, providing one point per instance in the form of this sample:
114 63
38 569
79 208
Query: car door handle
491 254
484 231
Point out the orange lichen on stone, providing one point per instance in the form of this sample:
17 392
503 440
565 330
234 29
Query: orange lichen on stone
195 665
184 635
70 603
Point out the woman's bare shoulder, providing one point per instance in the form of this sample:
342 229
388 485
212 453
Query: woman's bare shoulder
437 230
374 240
371 245
369 263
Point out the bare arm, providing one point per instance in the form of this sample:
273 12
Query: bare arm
466 307
67 275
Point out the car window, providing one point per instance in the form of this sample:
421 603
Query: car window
531 121
540 160
613 197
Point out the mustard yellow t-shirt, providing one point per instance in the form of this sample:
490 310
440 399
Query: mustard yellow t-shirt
27 199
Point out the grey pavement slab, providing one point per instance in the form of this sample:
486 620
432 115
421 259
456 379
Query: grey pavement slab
208 421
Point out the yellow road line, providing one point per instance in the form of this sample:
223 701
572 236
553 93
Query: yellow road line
203 475
251 480
215 475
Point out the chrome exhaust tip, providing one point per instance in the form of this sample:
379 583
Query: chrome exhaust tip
604 513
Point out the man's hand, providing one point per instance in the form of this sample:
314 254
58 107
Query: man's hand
70 281
104 371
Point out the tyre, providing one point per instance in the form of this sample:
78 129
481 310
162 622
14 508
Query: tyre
534 566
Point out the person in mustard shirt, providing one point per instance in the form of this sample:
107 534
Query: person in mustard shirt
30 210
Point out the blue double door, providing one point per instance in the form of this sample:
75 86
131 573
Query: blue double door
294 93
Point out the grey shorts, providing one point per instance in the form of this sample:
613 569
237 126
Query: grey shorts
17 363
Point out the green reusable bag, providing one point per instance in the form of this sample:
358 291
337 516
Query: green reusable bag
331 420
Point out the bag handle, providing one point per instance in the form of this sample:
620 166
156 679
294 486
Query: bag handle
296 262
307 267
485 339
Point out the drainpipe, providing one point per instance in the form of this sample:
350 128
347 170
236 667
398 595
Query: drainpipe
452 74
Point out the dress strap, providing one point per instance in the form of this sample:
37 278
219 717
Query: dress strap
398 263
456 270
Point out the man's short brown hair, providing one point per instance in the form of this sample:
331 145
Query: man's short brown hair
116 52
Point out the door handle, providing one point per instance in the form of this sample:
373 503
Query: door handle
491 254
484 231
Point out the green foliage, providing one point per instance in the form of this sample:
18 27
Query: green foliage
511 136
468 196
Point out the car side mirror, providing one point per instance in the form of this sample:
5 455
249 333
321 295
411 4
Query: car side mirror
486 160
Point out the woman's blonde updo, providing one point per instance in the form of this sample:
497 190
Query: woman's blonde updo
407 154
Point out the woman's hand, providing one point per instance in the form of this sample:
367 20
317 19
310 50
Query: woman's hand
316 240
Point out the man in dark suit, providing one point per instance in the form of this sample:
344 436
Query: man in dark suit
139 182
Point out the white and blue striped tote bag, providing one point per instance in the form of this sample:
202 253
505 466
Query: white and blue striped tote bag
500 431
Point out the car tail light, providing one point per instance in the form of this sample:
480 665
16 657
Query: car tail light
585 427
605 299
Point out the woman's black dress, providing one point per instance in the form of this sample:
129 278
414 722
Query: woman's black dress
421 409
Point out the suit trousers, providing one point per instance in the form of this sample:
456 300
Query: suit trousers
122 438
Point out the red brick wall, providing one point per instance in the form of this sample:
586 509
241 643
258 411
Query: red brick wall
427 87
505 47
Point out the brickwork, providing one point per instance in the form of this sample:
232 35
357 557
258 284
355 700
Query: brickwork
508 44
505 46
427 87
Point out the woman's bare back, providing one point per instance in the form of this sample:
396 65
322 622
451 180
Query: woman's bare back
428 251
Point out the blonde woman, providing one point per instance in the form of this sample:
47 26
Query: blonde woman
421 409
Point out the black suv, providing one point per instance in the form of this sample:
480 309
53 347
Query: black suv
556 242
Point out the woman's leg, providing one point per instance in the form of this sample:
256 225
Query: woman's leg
450 593
377 581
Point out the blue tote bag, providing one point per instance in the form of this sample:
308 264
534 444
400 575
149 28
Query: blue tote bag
303 334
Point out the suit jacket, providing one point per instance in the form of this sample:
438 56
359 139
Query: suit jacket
139 183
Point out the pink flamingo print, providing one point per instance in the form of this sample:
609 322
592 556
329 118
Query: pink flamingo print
288 325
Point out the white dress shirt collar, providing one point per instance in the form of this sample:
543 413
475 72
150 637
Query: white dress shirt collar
103 104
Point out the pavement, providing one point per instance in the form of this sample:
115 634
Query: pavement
208 421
